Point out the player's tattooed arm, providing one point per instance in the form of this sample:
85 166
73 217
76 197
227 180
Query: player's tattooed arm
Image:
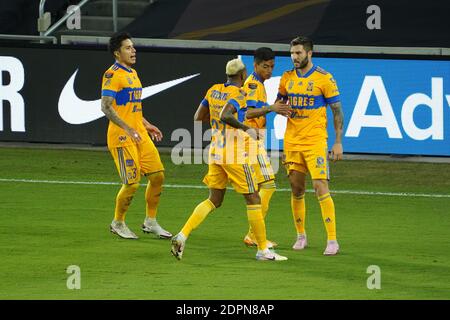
338 118
226 115
112 115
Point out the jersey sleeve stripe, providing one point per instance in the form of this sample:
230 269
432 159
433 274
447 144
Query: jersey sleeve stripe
235 104
333 99
109 93
205 103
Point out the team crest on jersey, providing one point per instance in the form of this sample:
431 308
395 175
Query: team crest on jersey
320 162
252 86
122 138
291 84
130 81
310 86
300 83
109 75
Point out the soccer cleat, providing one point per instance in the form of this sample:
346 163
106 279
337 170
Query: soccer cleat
153 227
269 256
249 242
178 243
301 242
332 248
121 229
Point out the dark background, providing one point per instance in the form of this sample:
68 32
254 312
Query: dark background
47 71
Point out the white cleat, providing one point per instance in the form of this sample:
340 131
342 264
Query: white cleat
269 256
332 248
301 242
153 227
178 243
121 229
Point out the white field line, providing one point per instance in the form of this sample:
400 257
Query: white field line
187 186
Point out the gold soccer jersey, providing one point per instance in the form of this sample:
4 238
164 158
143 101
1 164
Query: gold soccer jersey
124 86
227 143
308 96
228 158
256 97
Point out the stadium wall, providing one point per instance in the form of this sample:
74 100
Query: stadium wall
393 104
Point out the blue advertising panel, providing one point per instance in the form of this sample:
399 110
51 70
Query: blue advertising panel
390 106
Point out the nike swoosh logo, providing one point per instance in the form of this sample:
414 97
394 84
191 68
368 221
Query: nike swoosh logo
74 110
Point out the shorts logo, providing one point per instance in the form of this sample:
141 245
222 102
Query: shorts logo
328 220
122 138
129 162
320 162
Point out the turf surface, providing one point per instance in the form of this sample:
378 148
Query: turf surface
45 227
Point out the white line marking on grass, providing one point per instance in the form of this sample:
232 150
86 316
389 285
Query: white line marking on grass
187 186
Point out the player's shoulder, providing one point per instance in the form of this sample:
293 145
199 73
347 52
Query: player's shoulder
111 71
288 73
321 72
251 83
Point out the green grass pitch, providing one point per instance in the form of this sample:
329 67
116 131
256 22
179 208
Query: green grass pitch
45 227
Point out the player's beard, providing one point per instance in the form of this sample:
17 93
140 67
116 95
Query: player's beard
303 63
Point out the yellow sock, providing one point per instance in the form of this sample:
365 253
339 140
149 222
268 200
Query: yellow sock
328 215
266 191
197 217
298 212
153 193
256 221
123 200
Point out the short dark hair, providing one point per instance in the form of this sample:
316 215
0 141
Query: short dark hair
263 54
115 42
304 41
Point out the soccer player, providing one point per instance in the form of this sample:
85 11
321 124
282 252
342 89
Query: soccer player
228 160
129 139
309 89
254 115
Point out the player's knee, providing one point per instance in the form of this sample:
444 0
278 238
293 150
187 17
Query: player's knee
253 198
298 190
320 187
132 187
157 178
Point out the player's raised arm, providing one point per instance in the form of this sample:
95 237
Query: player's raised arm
279 107
227 116
111 114
338 120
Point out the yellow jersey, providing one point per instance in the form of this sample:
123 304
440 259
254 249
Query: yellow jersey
227 143
256 97
308 95
124 86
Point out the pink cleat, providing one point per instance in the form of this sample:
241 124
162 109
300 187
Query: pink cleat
332 248
301 242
